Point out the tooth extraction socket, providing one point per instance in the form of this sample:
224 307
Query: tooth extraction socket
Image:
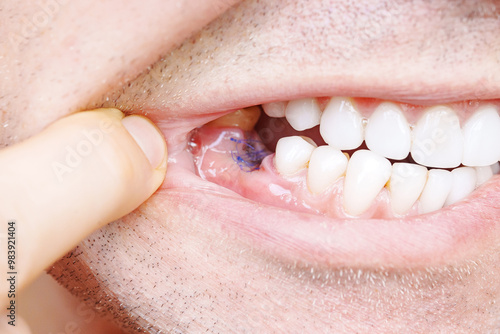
244 119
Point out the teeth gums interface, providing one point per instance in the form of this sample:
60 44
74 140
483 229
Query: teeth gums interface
352 157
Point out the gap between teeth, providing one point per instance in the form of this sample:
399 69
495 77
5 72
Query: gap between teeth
436 140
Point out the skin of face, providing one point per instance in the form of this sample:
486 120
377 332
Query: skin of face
172 264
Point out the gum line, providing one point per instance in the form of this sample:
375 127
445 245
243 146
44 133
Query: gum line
218 159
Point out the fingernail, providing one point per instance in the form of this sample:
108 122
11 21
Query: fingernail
148 137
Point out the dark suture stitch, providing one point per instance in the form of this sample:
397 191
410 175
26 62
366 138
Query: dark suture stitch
248 153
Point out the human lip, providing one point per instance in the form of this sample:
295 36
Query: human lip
438 238
264 74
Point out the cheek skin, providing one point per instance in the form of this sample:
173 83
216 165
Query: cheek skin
174 270
58 57
410 51
165 266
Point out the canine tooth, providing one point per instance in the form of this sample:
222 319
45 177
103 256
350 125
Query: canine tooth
388 133
341 124
274 109
464 182
406 184
438 139
244 119
326 165
482 137
292 154
303 114
436 190
367 173
483 174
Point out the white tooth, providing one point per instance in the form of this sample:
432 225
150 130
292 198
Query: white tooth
483 174
406 184
438 139
464 182
326 165
292 154
303 114
436 190
341 124
482 137
388 133
495 168
274 109
367 173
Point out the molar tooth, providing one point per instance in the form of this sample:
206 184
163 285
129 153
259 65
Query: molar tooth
436 190
326 165
438 139
292 154
482 137
464 182
303 114
367 173
341 124
406 184
274 109
483 174
244 119
388 133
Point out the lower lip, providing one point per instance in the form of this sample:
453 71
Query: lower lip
450 234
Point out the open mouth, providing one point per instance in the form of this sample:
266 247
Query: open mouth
337 181
391 222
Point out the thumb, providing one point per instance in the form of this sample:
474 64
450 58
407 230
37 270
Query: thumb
80 173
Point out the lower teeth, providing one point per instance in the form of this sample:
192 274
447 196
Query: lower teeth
367 180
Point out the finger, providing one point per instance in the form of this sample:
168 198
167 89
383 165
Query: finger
78 174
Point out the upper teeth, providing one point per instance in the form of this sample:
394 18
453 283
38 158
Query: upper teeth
303 114
388 133
482 138
341 124
436 140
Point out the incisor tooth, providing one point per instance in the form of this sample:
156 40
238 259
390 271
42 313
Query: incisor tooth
388 133
244 119
326 165
482 137
438 139
367 173
292 154
406 184
303 114
464 182
341 124
436 190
